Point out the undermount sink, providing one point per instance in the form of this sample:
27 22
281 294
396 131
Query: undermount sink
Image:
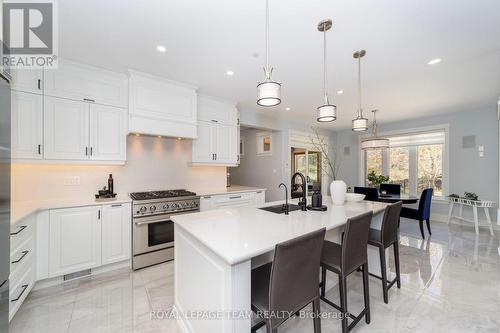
280 209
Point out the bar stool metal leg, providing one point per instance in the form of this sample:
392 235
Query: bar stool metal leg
366 292
323 281
343 303
396 261
317 319
383 269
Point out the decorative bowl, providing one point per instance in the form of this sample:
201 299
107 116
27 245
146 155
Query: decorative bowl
354 197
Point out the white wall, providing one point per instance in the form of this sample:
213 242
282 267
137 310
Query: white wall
260 171
152 164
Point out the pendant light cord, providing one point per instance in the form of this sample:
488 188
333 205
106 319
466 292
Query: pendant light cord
360 112
268 74
325 55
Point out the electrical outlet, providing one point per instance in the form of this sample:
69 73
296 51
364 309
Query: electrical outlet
72 181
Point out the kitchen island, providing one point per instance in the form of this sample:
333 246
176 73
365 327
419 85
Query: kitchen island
216 250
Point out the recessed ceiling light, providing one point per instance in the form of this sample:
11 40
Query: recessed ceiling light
288 109
434 61
230 73
161 48
340 92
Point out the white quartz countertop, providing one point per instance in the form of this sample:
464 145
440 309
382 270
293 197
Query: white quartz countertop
22 209
239 234
229 190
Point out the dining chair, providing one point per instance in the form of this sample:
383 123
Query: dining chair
422 213
394 189
385 237
345 258
371 193
282 288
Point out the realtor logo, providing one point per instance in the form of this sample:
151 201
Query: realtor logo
29 34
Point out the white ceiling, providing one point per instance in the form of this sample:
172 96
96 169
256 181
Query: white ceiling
204 39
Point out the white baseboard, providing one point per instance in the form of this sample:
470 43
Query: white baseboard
45 283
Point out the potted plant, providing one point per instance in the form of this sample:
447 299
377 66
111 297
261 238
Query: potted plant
375 180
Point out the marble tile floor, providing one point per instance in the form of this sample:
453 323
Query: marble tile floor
450 283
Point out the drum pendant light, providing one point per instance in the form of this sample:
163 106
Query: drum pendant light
360 124
326 112
268 91
374 142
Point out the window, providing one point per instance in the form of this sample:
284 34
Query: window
399 167
430 168
415 161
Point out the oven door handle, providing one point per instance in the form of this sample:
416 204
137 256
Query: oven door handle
152 221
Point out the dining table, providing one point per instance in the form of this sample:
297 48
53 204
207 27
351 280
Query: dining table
392 198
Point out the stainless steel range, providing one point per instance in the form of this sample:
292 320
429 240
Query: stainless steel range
153 231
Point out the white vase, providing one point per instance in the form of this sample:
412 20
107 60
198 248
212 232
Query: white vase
338 189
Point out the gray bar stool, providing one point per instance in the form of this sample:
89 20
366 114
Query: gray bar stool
384 238
345 259
288 284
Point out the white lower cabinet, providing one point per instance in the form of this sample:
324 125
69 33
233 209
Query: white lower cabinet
22 263
217 201
116 229
88 237
75 240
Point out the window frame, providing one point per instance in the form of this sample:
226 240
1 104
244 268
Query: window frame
413 157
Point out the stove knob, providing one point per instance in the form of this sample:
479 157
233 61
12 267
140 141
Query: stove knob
165 206
152 208
143 209
186 204
174 205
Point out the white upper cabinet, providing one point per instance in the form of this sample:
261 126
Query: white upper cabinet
217 141
204 146
226 147
81 82
216 110
27 80
27 125
116 232
66 129
108 133
79 131
159 106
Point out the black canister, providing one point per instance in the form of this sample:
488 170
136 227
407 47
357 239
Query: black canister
317 199
110 184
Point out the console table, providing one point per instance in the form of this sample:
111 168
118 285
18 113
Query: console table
475 204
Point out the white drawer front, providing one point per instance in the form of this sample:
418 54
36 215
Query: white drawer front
20 233
21 260
19 291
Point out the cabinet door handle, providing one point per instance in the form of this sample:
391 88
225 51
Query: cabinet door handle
39 84
207 197
216 156
214 121
24 286
235 197
238 158
24 253
117 205
39 149
21 228
91 150
99 214
89 100
86 151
